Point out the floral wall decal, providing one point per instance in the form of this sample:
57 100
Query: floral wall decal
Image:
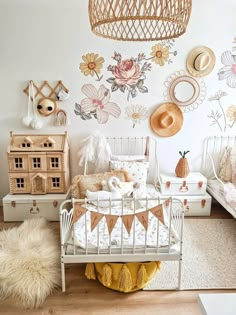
231 114
136 113
97 104
234 42
129 75
219 116
92 65
161 53
228 72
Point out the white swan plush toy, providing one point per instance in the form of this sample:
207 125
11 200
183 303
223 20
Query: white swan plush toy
114 193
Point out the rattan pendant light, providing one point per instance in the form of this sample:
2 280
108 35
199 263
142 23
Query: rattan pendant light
139 20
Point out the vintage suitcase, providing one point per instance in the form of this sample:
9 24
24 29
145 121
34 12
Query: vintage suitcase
196 205
194 184
21 207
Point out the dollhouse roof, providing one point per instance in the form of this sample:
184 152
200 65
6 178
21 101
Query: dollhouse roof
59 142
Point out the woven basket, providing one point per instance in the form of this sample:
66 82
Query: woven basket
182 168
139 20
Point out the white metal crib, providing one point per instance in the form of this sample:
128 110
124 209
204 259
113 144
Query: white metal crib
150 245
213 150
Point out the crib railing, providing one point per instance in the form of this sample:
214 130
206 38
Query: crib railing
172 212
212 153
174 220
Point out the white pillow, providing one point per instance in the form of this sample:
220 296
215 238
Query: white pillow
125 187
128 157
137 170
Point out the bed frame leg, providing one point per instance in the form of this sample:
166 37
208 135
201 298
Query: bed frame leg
63 282
180 272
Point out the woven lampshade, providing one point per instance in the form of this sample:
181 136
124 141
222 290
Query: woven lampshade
139 20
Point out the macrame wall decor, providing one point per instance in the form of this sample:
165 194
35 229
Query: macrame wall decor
139 20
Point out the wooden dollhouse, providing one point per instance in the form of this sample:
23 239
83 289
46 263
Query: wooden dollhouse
38 164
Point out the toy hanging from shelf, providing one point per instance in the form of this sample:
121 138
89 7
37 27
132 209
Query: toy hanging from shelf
48 95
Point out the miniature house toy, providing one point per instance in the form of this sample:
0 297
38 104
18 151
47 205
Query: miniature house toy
38 164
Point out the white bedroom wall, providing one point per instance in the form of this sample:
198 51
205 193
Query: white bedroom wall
45 40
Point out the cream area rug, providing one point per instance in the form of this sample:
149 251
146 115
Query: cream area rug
209 257
29 262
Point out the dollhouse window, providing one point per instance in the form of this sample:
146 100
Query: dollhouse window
36 162
18 162
26 145
54 162
48 143
55 182
20 183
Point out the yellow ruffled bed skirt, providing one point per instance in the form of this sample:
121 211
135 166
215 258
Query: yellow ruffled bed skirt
123 277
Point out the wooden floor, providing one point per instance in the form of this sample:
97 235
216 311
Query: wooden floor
90 297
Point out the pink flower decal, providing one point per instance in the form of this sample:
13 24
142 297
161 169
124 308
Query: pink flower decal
129 74
228 72
97 104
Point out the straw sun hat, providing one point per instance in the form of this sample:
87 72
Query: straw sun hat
200 61
166 120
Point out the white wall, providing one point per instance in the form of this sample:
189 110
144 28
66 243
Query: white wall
45 40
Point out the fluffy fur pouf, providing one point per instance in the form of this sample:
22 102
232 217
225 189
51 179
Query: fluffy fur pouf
29 262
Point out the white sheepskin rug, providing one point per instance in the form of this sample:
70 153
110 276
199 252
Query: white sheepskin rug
29 262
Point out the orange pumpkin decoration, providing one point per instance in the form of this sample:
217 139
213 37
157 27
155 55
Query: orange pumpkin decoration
182 167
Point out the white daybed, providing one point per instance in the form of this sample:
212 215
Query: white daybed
213 150
159 241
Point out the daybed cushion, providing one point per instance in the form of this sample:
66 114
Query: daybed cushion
93 182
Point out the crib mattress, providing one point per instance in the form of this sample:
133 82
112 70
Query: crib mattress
158 235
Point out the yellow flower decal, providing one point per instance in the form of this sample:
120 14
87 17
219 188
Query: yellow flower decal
92 65
160 54
231 114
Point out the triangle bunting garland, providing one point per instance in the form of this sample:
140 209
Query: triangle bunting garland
127 220
95 219
111 221
158 213
78 212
